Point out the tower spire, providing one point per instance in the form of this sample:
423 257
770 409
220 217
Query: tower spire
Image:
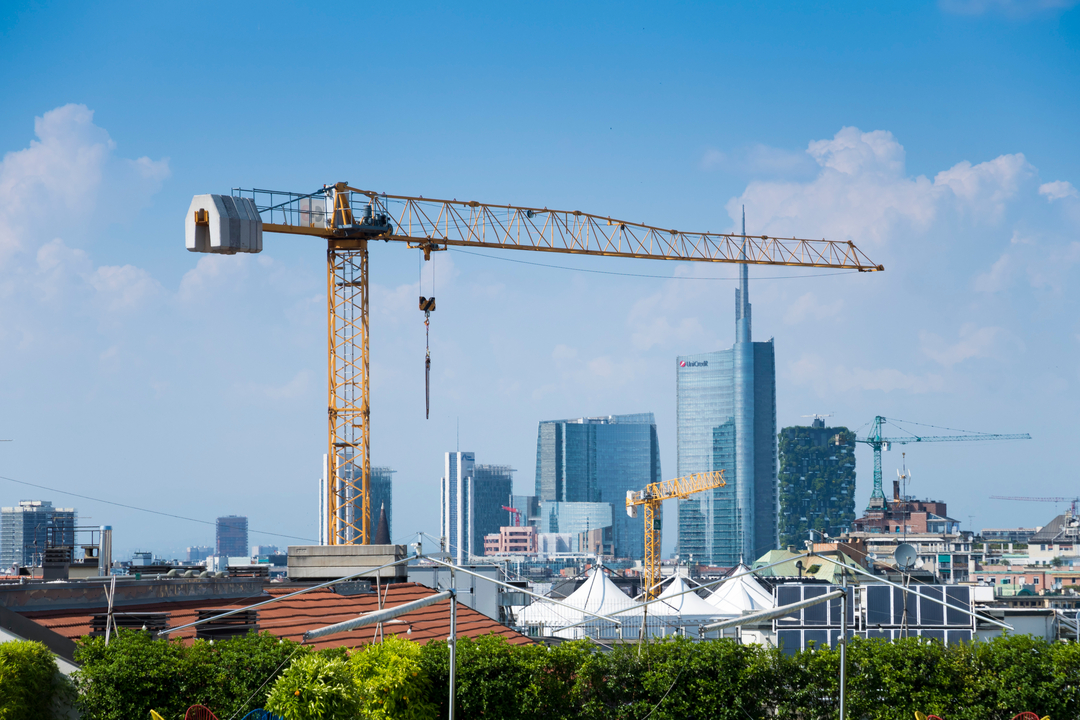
742 294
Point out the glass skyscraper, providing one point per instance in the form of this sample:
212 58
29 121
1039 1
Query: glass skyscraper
726 420
232 536
596 460
472 500
381 484
492 487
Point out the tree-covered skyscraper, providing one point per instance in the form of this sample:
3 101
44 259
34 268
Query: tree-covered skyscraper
817 481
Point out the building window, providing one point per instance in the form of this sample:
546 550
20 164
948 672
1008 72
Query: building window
1034 581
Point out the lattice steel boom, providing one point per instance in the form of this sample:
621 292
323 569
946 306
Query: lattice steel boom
347 218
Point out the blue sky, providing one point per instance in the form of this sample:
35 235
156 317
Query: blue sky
940 137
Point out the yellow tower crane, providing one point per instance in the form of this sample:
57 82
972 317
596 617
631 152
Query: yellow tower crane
350 219
652 499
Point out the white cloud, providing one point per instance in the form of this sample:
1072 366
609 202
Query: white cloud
1053 271
997 278
124 287
668 317
211 275
862 193
1058 190
64 274
973 342
56 181
828 379
807 307
851 151
712 159
986 186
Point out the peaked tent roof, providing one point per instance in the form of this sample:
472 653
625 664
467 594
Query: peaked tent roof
598 594
740 595
690 604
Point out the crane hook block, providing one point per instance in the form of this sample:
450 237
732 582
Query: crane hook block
223 224
427 304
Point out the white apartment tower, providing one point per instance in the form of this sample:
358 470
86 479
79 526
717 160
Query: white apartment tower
455 521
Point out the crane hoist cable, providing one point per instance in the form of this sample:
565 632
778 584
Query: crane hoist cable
427 304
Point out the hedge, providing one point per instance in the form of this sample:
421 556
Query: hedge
674 678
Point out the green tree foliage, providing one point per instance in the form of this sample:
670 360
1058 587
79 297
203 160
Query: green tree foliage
316 687
392 681
31 686
136 673
498 680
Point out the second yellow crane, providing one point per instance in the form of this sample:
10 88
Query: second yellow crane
652 499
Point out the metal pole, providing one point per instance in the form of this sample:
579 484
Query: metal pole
452 642
1076 619
843 641
377 617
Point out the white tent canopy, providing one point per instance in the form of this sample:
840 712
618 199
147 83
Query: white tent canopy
740 595
598 594
690 605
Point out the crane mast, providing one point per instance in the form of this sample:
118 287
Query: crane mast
652 499
348 219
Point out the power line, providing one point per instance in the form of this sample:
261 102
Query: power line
638 275
145 510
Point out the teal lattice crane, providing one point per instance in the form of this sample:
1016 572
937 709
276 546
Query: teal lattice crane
875 439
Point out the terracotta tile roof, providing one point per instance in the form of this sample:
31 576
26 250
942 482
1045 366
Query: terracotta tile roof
293 617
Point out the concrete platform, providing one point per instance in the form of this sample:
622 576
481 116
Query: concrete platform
327 562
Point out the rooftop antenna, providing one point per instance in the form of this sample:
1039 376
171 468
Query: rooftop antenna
458 434
904 477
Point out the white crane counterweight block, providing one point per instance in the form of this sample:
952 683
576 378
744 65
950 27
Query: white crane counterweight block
223 224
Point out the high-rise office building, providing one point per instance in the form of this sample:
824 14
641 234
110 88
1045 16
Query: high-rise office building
27 529
596 460
232 536
817 481
382 496
458 468
472 500
492 487
726 415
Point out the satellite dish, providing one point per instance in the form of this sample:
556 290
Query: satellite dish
905 556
